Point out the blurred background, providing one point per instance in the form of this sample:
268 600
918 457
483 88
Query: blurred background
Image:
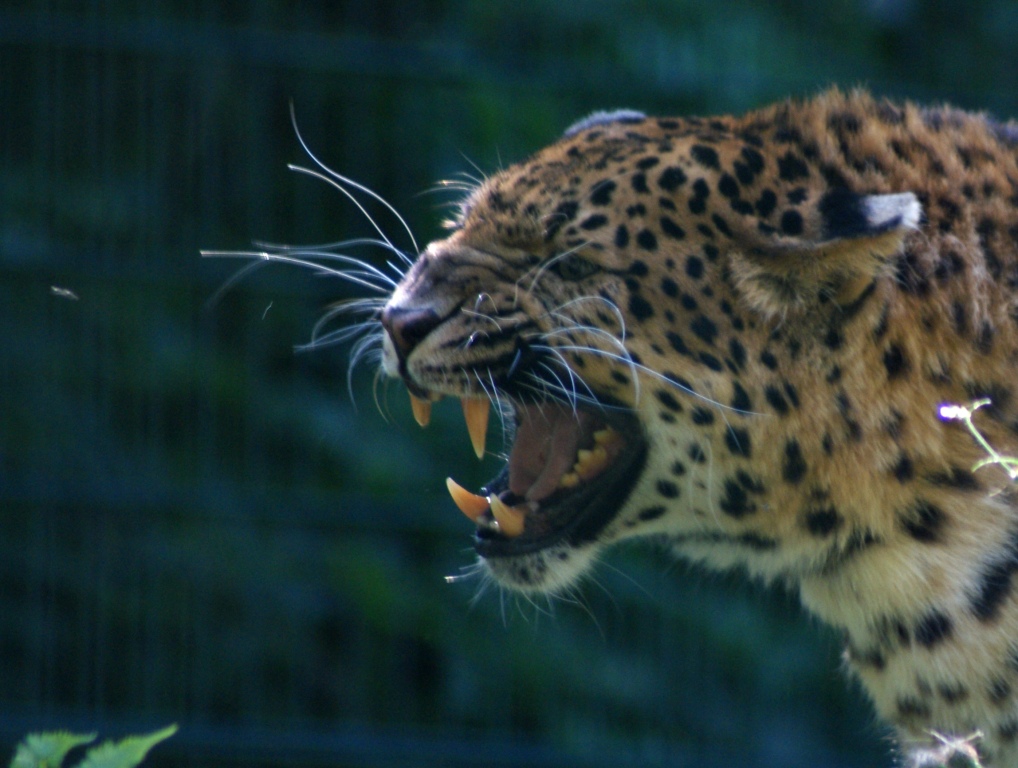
197 523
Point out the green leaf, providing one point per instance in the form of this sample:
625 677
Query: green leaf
127 752
47 750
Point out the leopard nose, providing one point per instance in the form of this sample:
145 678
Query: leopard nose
408 327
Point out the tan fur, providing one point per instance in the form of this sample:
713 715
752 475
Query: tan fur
805 326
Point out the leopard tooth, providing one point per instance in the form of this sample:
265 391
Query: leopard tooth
475 411
470 504
421 409
510 519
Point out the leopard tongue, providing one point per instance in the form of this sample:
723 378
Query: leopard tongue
547 438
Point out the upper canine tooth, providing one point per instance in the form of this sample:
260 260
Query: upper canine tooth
470 504
510 519
421 409
475 411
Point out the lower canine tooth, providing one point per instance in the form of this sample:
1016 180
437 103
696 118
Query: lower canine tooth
475 411
470 504
421 409
510 519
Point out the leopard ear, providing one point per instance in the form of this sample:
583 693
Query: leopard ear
830 251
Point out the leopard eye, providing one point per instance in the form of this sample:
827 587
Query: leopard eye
572 267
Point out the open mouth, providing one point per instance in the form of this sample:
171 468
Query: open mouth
569 471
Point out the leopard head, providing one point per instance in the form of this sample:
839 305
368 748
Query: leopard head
613 297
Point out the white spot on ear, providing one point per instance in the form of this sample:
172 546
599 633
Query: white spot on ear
603 118
886 212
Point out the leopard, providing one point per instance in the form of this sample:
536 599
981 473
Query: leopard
780 343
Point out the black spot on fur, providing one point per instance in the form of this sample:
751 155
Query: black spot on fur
871 657
792 168
669 287
594 221
721 224
754 160
791 222
710 361
601 194
823 521
959 317
932 628
671 178
667 489
702 416
999 692
705 156
794 467
640 308
766 203
562 215
694 267
697 454
957 478
738 353
671 229
646 240
910 708
735 502
652 513
678 344
797 196
769 360
923 521
1008 730
776 399
621 236
737 441
895 361
984 339
996 582
749 482
728 186
704 328
834 338
903 470
740 398
638 268
953 693
668 400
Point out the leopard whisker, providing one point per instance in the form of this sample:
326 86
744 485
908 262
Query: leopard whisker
559 312
342 183
363 277
483 316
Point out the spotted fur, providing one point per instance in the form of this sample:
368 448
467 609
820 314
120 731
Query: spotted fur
784 300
